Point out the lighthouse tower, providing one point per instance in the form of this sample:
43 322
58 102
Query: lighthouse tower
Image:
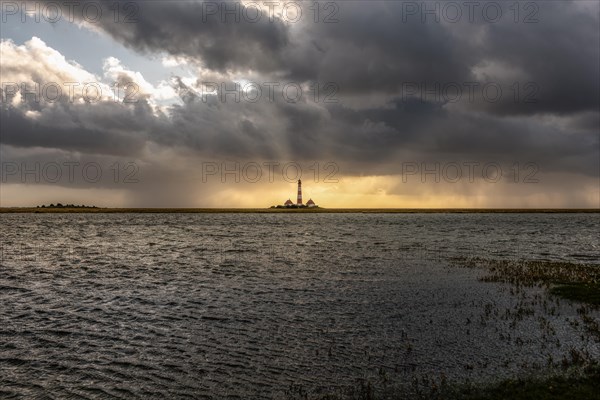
299 201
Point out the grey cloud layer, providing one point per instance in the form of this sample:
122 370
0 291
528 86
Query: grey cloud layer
370 52
375 47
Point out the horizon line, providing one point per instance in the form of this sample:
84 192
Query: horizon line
92 209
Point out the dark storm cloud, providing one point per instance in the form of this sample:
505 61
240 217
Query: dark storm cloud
104 132
106 127
425 132
560 53
195 30
378 139
376 47
370 51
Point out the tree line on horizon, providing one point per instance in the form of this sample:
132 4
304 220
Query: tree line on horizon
59 205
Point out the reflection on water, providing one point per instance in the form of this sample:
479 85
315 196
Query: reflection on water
249 305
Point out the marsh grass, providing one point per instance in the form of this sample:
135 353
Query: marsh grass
577 384
582 385
581 292
572 281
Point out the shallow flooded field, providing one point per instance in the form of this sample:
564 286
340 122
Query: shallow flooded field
280 305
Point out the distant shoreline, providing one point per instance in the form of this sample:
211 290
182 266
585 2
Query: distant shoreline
29 210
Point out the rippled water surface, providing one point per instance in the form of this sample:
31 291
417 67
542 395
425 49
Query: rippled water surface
252 305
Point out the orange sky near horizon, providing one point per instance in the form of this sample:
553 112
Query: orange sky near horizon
348 192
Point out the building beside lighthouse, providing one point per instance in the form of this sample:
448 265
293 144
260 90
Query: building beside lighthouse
299 203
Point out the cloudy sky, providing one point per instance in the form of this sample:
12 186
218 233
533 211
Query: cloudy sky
372 104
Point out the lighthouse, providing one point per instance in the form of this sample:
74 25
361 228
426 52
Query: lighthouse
298 204
299 201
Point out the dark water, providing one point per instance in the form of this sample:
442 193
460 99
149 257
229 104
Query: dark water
254 305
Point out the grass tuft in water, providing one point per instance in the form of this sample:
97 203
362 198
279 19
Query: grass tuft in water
572 281
581 386
581 292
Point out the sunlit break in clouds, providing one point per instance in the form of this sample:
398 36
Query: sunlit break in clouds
371 104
